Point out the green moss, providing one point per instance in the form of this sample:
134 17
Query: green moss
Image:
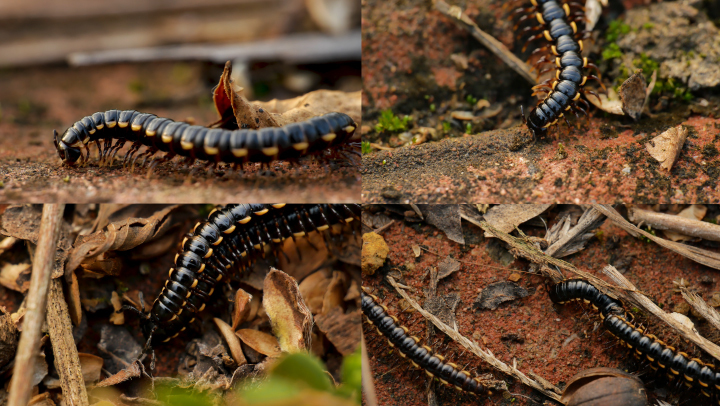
468 128
391 123
648 26
471 99
615 29
612 51
446 127
365 147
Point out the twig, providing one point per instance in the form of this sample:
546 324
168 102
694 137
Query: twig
687 332
485 355
682 225
495 46
43 263
697 303
574 239
383 228
705 257
67 361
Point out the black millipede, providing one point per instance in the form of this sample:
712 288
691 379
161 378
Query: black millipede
232 238
694 372
422 357
562 93
290 142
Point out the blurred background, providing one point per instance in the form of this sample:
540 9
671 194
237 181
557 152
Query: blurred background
61 60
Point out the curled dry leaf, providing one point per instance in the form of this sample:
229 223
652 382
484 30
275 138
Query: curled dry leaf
416 250
132 371
23 222
263 343
91 366
316 103
343 330
290 318
232 341
242 307
632 94
118 236
73 300
666 147
505 217
445 217
447 266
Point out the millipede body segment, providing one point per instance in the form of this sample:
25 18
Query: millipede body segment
290 142
231 238
422 357
559 27
693 372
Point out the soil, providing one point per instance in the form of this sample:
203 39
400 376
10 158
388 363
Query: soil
554 342
34 101
417 62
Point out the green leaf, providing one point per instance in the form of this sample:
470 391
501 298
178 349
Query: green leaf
301 367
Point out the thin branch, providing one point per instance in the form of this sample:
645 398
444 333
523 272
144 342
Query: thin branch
485 355
43 263
682 225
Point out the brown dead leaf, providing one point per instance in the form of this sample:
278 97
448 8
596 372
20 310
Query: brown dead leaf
506 217
122 235
310 259
73 300
132 371
353 292
117 317
242 307
232 341
335 292
692 212
632 94
91 366
320 102
8 338
290 318
23 222
343 330
447 266
245 114
15 276
666 147
261 342
313 289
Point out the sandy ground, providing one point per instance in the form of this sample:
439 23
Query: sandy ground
555 342
34 101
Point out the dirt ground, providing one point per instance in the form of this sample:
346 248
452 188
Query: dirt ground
34 101
417 62
554 342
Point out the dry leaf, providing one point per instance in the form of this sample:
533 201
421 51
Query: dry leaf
232 341
310 259
242 307
118 236
73 300
132 371
506 217
666 147
447 266
242 113
313 289
416 250
8 338
117 317
343 330
692 212
290 318
632 94
353 292
261 342
91 366
335 293
15 276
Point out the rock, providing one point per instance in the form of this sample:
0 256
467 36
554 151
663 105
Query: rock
374 252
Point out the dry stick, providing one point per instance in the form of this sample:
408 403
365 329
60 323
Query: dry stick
697 303
682 225
486 39
67 361
687 332
486 355
705 257
36 301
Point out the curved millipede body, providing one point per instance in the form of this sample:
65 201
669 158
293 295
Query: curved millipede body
559 27
692 371
216 145
422 357
231 238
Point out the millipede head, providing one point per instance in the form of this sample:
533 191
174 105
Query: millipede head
68 154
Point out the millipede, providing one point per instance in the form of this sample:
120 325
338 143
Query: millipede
328 132
421 357
674 363
232 237
559 26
